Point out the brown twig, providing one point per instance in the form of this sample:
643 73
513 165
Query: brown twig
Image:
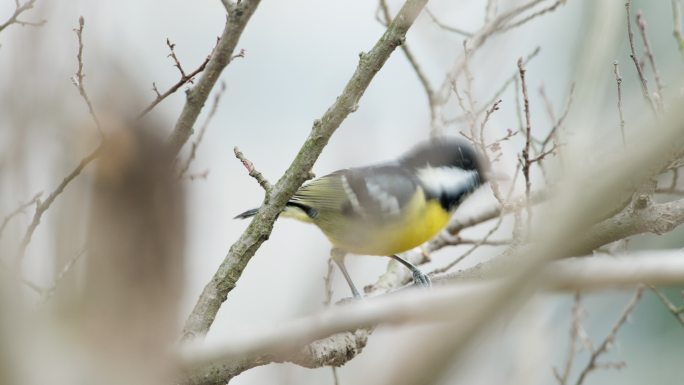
497 95
253 172
642 79
203 129
575 335
422 77
239 15
526 163
18 10
49 292
651 59
19 210
676 311
80 76
42 207
618 80
172 55
185 79
610 338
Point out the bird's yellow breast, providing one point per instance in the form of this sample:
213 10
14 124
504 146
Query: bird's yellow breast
421 221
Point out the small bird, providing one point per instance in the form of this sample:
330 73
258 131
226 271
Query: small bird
392 207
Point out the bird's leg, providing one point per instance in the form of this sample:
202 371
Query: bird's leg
419 278
337 256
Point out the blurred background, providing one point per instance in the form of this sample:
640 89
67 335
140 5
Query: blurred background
298 57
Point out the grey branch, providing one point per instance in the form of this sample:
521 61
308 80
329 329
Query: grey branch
238 16
442 303
21 8
258 231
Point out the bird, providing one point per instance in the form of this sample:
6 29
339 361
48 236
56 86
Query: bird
391 207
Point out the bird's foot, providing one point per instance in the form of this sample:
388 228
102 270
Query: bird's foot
421 279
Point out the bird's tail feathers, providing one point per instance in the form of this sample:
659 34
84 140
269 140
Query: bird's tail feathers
247 214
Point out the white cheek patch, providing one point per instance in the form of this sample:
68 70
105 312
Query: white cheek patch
451 179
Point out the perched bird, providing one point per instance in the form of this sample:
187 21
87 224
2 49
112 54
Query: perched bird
389 208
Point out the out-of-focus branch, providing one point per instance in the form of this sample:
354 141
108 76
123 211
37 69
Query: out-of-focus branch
618 81
422 77
19 210
42 207
80 76
230 270
195 145
651 59
442 303
642 79
238 16
45 205
610 338
447 27
18 10
677 25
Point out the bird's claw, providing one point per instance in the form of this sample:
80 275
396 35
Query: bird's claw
421 279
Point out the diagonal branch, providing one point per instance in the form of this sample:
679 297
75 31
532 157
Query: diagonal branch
21 8
238 16
230 270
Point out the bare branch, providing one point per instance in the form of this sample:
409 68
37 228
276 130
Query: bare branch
254 173
526 163
78 79
618 80
649 55
185 79
446 27
203 129
225 279
19 9
422 77
676 311
644 87
603 347
19 210
45 205
238 16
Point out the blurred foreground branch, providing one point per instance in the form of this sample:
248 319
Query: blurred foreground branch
444 303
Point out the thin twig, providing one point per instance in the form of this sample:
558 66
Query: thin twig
44 206
19 210
447 27
649 55
422 77
497 95
80 76
239 15
18 10
533 15
185 79
610 338
575 327
642 79
528 138
676 311
203 129
49 292
618 80
253 172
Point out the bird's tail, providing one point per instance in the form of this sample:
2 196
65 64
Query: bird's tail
247 214
292 210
